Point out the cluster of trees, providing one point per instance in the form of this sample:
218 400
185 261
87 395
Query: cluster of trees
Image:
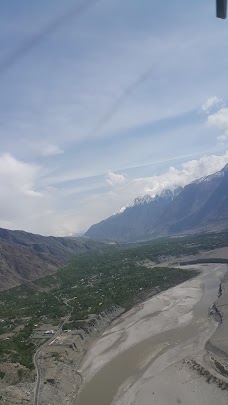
91 283
19 349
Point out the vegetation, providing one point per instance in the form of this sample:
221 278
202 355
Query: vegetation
89 284
2 374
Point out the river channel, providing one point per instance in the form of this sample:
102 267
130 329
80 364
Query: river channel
148 340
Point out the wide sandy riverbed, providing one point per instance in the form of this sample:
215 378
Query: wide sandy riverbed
139 360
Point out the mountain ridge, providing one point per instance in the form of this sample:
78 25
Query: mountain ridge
199 206
25 257
132 219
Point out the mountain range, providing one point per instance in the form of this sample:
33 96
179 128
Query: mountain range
201 206
25 257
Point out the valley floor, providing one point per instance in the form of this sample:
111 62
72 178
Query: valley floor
156 352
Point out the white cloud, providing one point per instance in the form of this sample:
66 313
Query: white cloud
47 149
50 109
103 205
100 206
19 196
115 179
219 120
50 210
189 171
51 150
18 176
172 178
210 103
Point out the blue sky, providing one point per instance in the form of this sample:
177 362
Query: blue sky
123 99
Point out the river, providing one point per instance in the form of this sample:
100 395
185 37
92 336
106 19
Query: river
139 359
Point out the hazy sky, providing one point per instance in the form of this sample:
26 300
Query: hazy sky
102 104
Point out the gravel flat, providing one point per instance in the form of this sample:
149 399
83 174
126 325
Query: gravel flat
139 360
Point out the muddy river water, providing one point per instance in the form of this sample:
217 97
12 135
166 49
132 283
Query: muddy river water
139 359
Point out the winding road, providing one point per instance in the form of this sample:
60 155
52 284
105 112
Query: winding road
36 360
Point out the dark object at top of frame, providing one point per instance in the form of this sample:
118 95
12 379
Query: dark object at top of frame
221 8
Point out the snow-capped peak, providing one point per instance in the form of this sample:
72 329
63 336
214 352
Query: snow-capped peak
213 176
146 199
122 209
165 194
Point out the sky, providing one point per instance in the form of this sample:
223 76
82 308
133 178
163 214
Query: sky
105 100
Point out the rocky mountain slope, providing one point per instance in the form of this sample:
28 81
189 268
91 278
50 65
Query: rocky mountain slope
200 206
135 221
25 257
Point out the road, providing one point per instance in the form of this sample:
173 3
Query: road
36 360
